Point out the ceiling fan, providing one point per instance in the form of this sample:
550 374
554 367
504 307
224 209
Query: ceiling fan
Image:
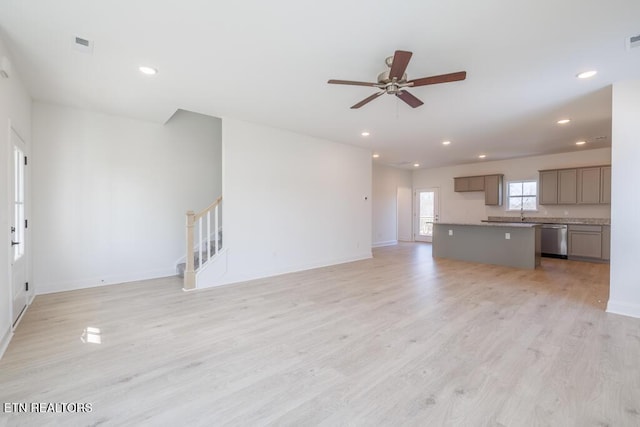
394 80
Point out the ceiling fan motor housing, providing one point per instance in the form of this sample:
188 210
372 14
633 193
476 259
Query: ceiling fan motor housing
383 78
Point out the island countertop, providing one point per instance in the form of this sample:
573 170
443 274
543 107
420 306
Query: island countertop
550 220
494 224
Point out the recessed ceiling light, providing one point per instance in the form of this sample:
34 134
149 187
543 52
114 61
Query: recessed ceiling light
482 156
446 142
581 142
587 74
376 155
148 70
416 165
365 133
563 121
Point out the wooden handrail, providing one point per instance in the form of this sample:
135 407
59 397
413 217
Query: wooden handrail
208 208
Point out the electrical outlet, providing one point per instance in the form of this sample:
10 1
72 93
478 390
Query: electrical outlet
450 232
507 236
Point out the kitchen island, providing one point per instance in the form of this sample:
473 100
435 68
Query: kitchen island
510 244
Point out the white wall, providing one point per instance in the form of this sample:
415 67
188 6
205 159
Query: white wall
15 106
470 207
624 294
111 193
291 202
389 212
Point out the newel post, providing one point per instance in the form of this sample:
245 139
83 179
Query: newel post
189 272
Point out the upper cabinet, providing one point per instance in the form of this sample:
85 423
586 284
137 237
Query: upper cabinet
476 183
589 185
549 187
461 184
468 183
490 184
493 190
567 185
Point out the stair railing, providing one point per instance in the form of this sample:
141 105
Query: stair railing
200 244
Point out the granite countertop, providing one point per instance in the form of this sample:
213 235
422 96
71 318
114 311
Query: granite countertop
493 224
549 220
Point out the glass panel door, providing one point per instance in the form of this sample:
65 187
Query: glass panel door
426 206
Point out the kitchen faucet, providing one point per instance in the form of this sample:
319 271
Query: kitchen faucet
521 214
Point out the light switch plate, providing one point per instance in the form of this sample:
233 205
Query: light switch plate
507 236
450 232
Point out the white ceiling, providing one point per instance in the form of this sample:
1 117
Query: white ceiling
269 61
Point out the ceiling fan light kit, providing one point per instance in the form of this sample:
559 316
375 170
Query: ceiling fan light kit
394 80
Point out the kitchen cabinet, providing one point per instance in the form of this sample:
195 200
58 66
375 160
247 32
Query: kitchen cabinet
567 186
461 184
548 187
493 190
589 185
476 183
468 183
606 242
605 185
490 184
585 241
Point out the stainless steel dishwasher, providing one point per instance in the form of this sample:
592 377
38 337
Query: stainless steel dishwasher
554 240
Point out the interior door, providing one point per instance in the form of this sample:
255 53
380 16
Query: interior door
18 226
426 213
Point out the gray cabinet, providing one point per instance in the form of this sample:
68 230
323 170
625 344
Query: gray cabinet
585 241
476 183
468 183
548 187
605 185
490 184
589 185
493 190
567 186
461 184
606 242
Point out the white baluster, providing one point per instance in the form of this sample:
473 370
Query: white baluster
200 236
216 228
208 235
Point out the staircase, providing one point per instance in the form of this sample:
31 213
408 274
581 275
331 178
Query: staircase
204 243
206 255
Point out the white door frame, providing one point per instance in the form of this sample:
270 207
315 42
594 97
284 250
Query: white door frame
416 212
26 256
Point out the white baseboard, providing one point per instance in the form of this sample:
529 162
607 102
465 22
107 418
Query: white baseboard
387 243
50 288
4 342
624 309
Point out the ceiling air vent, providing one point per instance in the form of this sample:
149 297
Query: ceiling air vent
83 45
633 42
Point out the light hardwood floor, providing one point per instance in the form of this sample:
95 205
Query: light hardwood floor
401 339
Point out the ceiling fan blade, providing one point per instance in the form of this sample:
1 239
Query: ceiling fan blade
409 99
399 65
443 78
367 100
349 82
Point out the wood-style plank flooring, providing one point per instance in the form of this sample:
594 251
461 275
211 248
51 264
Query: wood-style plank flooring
401 339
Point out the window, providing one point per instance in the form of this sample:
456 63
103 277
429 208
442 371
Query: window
522 195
